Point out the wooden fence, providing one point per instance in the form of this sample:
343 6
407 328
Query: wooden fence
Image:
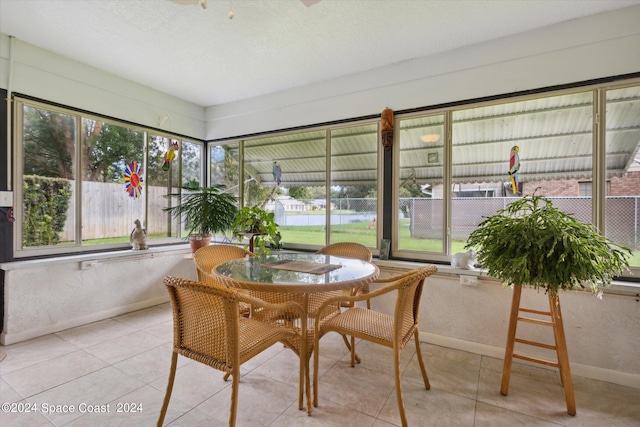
108 211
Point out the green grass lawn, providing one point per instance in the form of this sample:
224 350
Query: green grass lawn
358 232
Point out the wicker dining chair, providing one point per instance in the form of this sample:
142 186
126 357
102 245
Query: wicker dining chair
208 257
208 328
393 331
350 250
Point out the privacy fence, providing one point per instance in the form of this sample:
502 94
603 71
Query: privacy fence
109 212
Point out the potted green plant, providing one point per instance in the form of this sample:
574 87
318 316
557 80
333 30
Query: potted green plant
260 227
532 243
204 210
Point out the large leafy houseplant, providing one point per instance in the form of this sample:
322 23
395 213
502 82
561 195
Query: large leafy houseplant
530 242
259 226
204 210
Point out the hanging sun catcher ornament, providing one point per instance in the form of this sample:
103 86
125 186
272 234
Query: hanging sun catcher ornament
133 180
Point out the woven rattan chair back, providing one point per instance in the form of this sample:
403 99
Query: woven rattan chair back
350 250
208 257
208 329
347 249
393 331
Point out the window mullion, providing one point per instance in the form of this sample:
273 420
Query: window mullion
447 180
599 158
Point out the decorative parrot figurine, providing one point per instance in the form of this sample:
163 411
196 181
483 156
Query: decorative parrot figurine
277 172
514 167
170 155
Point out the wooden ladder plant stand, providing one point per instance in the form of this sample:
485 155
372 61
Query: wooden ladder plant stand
560 346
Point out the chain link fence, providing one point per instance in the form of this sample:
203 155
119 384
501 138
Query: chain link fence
426 221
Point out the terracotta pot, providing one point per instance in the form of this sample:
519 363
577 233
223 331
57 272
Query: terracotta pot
198 241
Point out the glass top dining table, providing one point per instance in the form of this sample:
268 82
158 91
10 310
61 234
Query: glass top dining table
308 279
296 273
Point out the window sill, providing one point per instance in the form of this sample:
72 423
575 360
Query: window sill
99 257
618 287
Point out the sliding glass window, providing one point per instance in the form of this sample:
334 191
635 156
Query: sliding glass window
354 185
85 181
505 151
420 173
622 208
317 198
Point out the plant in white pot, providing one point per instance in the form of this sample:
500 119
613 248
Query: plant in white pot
532 243
204 211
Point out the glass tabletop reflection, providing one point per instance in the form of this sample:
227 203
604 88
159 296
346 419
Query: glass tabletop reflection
330 272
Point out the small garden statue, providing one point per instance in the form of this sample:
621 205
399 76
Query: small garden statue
465 260
138 237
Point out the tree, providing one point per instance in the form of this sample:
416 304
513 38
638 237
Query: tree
49 141
301 193
107 148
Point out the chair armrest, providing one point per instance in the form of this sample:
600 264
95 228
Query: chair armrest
257 302
362 297
393 278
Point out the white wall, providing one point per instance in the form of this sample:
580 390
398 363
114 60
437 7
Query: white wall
602 335
50 295
598 46
48 76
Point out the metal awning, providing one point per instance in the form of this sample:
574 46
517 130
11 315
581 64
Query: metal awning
554 135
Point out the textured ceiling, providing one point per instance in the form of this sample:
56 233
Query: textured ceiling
201 56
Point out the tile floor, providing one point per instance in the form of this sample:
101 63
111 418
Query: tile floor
123 362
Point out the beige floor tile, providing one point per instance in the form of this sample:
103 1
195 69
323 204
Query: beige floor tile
23 414
162 330
8 394
276 350
194 383
379 358
95 333
381 423
97 388
430 350
329 414
138 408
261 401
539 399
195 418
492 416
358 388
51 373
519 368
151 365
604 409
283 366
429 408
67 368
587 385
33 352
124 347
145 318
447 375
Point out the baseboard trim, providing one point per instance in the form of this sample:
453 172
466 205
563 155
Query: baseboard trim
12 338
579 369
